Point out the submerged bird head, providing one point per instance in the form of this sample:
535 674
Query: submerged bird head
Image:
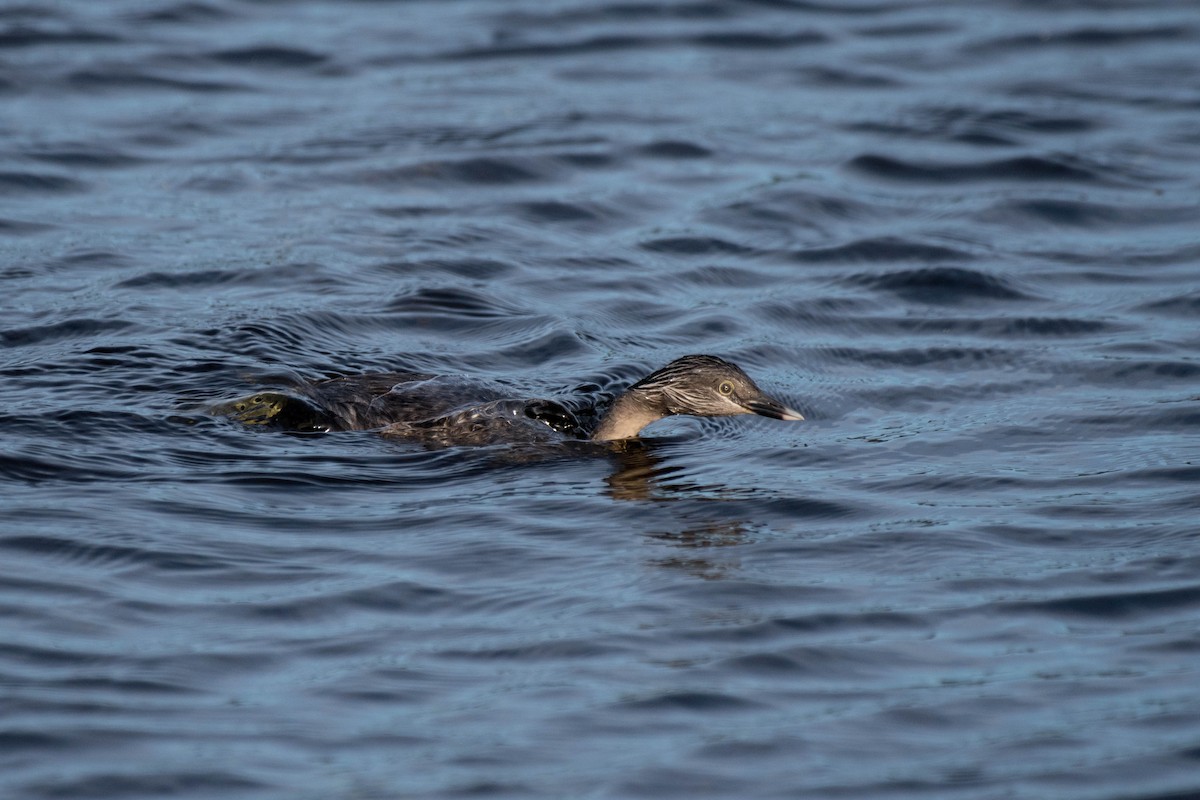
702 386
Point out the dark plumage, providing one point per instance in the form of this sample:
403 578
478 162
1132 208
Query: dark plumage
442 410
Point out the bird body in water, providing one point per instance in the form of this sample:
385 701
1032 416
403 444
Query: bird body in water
449 411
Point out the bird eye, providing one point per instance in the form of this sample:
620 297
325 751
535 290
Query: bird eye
725 388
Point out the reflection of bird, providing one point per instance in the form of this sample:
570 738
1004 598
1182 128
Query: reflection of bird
449 411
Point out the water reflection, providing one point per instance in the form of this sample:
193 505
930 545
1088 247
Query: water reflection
644 474
700 537
639 469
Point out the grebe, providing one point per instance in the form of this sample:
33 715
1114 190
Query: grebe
450 411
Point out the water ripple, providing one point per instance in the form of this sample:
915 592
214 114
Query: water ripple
942 285
1021 168
12 183
960 240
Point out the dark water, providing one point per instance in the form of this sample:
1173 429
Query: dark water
963 239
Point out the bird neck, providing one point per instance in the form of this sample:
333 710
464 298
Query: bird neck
626 418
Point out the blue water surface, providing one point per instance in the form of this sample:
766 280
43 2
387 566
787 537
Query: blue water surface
960 237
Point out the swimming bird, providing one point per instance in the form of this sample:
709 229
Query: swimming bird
448 411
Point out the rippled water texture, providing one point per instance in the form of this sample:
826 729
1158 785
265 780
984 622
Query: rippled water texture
961 238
